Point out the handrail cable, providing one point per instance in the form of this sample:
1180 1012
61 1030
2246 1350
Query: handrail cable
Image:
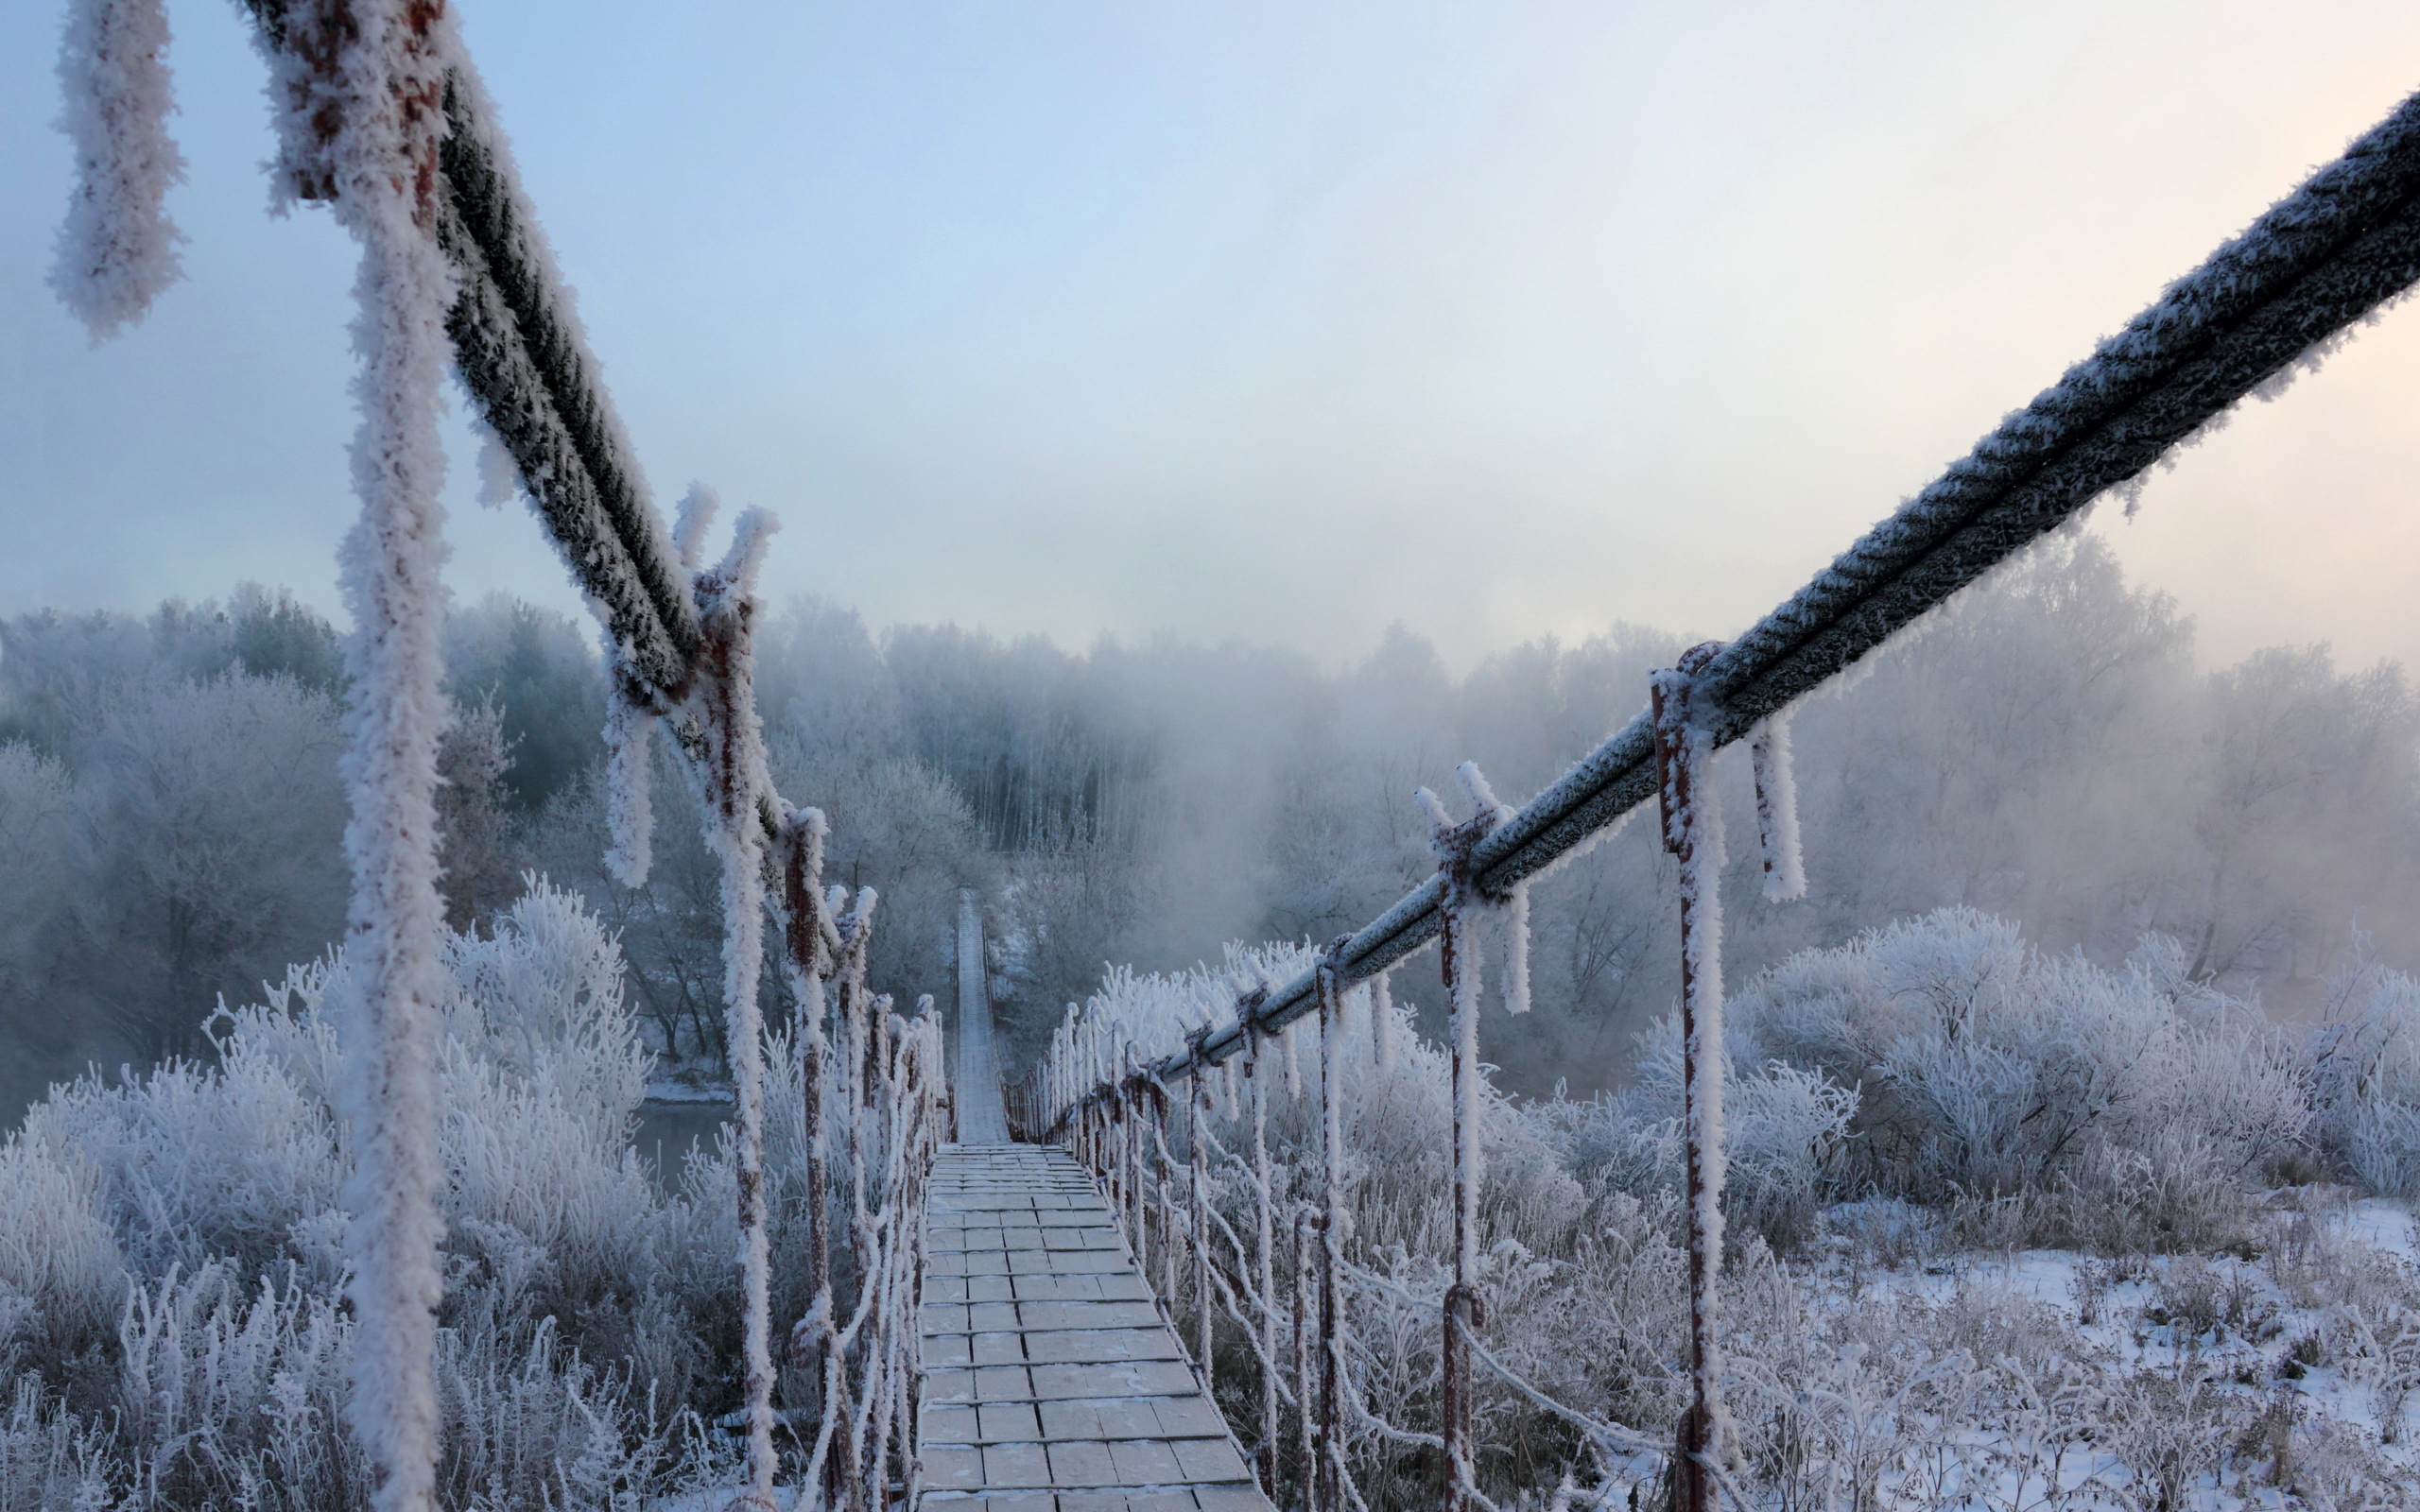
2272 301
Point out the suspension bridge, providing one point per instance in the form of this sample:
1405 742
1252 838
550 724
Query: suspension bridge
1118 1308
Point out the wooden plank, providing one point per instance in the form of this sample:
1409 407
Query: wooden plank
1052 1383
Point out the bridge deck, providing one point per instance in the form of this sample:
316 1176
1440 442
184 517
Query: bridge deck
981 1120
1053 1382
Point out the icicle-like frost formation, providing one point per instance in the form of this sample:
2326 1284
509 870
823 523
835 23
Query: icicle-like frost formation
1510 915
376 69
1777 810
1512 919
629 803
117 249
691 518
1383 1025
499 475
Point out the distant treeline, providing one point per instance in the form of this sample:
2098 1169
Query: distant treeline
2046 751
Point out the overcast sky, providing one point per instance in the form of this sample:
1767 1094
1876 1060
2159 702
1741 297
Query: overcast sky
1273 320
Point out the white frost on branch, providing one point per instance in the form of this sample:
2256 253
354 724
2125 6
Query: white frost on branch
117 249
1777 810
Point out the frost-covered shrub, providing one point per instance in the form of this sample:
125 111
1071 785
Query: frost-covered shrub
234 1394
2365 1072
541 999
198 1162
62 1274
49 1458
171 1267
2133 1108
1782 1128
1893 1105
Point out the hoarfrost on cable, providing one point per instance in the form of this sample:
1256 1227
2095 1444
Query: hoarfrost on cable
117 249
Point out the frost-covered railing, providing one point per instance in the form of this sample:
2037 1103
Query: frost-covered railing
876 1111
381 115
2270 303
1286 1288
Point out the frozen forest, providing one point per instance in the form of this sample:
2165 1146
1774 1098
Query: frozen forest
2048 751
2074 1114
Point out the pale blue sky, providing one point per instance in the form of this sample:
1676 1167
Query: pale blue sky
1283 321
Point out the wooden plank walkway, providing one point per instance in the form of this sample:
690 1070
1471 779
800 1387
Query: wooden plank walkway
1052 1383
981 1119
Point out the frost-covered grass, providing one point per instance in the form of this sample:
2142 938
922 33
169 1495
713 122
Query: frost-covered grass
173 1325
2008 1231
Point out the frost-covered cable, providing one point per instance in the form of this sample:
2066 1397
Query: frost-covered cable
1692 824
2327 256
732 778
1778 809
374 70
117 249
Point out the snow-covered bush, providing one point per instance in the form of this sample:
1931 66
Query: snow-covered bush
171 1270
2134 1109
232 1160
1905 1113
62 1273
48 1456
1782 1128
2366 1074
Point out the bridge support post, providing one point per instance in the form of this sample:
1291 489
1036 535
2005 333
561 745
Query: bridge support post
1163 1192
1198 1158
1130 1138
1329 1483
1464 1309
1265 1252
1692 833
813 1338
1306 1283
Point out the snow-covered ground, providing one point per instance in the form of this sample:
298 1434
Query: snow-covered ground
2257 1365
